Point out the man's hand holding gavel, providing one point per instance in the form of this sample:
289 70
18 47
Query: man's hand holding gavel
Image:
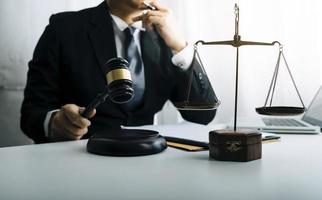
68 124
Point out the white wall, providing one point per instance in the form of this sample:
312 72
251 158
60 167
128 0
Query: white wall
296 23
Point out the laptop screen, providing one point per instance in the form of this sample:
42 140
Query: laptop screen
314 113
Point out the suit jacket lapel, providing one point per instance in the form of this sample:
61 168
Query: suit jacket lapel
150 51
103 40
102 35
150 48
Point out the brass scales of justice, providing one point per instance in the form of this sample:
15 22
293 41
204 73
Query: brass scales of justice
267 109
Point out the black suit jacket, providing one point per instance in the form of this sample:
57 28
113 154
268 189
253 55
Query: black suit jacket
67 67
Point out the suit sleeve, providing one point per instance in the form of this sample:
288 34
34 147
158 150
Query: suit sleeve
42 88
200 91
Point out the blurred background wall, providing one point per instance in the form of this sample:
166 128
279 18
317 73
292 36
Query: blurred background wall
296 24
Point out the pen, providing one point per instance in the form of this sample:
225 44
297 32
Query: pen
270 137
149 6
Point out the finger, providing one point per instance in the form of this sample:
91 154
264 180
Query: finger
153 13
154 20
64 132
73 137
147 13
137 18
149 20
78 138
72 112
92 113
73 132
158 6
78 132
72 129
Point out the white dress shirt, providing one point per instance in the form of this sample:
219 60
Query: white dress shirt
182 59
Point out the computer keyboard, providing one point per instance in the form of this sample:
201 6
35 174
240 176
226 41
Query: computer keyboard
282 122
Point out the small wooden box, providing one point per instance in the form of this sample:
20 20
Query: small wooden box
230 145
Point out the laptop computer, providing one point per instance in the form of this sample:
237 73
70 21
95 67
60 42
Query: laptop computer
309 123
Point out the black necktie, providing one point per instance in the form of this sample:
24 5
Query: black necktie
133 56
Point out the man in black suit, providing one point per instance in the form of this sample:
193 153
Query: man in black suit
67 71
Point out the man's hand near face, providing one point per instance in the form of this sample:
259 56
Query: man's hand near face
164 22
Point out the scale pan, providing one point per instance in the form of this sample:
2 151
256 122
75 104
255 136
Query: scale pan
280 110
196 105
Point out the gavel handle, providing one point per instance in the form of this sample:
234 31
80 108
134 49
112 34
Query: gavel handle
100 98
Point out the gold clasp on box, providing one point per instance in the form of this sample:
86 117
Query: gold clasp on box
233 146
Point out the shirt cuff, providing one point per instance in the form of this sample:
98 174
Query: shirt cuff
183 58
46 122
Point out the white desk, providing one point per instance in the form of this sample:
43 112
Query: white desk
289 169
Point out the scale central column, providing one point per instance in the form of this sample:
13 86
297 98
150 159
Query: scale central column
236 89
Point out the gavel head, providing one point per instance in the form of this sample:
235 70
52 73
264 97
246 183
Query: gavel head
119 81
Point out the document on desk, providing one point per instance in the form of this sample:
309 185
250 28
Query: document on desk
190 136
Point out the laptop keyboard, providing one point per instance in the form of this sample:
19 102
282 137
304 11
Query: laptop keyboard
282 122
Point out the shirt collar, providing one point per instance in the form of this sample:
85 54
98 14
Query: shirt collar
122 25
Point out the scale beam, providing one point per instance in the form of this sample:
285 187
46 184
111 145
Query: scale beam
239 43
